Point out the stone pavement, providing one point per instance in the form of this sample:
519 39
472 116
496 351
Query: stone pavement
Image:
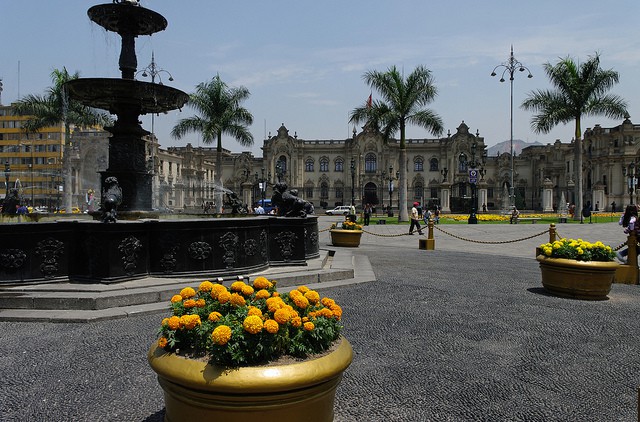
461 333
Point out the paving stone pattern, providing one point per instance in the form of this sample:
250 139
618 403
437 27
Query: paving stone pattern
444 335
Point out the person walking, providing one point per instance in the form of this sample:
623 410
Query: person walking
415 219
367 214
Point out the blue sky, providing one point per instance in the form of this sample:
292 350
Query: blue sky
303 61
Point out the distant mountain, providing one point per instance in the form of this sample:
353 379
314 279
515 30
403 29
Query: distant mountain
505 146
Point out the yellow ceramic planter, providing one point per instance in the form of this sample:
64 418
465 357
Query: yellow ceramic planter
577 279
349 238
197 391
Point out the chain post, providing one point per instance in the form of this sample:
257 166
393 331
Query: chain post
431 241
552 232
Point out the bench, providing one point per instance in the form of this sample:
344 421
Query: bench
533 220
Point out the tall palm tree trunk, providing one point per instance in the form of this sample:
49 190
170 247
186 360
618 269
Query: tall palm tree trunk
403 214
579 173
217 179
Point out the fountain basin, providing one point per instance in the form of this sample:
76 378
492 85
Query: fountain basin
91 251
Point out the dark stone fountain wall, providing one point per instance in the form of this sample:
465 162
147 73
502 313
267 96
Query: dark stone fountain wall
88 251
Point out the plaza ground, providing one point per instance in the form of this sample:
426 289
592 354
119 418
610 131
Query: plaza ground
461 333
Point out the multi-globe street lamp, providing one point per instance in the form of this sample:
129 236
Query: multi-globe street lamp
353 179
632 172
510 68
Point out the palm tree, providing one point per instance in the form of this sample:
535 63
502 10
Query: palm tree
219 112
580 90
403 101
55 107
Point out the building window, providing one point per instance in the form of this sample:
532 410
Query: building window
418 164
370 163
324 164
324 191
418 192
434 192
308 165
308 191
462 163
339 193
433 164
339 165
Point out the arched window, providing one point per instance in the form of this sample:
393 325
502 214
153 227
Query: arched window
339 165
370 163
433 164
282 164
308 164
324 191
418 164
418 191
324 164
462 162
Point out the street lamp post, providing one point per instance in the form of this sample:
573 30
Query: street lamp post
510 68
353 180
398 178
390 180
473 180
632 173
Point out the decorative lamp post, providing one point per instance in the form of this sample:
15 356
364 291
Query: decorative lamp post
632 174
390 213
510 68
353 178
398 179
383 175
473 180
7 172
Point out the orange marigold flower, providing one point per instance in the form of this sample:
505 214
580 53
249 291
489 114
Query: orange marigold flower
296 322
174 322
305 319
337 311
262 283
301 302
271 326
254 311
252 324
282 315
262 294
325 312
224 297
303 289
312 296
187 292
295 293
190 321
237 286
162 342
200 303
274 303
189 303
217 289
215 316
237 300
221 335
275 294
327 302
176 299
308 326
247 290
165 321
205 286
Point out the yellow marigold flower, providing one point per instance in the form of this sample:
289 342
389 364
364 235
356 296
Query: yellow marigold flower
282 316
176 299
308 326
252 324
162 342
296 322
580 251
325 312
327 302
301 302
205 286
312 296
189 303
187 292
215 316
303 289
254 311
224 297
217 289
200 303
165 321
174 322
247 290
237 286
275 294
237 300
295 293
271 326
262 294
274 303
189 321
305 319
221 335
262 283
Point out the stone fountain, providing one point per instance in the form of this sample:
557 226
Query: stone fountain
94 252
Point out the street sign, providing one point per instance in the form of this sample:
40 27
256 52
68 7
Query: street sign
473 176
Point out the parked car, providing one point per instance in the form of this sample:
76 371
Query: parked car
341 210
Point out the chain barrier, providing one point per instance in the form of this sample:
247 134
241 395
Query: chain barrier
489 242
